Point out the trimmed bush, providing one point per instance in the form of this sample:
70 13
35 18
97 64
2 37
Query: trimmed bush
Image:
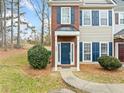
109 63
38 57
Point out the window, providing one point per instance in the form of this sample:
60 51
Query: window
87 51
65 15
104 17
121 18
59 50
104 49
87 17
72 52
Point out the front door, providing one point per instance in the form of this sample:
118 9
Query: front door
121 52
65 53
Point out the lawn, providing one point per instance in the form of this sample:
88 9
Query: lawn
93 72
16 76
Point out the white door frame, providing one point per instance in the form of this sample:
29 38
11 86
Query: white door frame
117 48
72 62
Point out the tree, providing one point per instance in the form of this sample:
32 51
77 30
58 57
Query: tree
42 24
4 34
18 31
1 22
12 24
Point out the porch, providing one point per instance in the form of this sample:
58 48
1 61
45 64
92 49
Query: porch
66 49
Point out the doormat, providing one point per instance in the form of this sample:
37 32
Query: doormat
66 67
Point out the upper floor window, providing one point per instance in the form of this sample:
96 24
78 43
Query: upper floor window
96 18
65 15
121 18
87 17
104 17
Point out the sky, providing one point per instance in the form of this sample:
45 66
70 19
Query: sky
30 14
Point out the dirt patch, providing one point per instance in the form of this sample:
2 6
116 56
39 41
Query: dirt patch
11 52
95 73
35 72
97 69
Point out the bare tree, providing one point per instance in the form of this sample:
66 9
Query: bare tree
1 22
12 24
4 33
42 24
18 32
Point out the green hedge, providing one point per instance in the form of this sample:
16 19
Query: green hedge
109 63
38 57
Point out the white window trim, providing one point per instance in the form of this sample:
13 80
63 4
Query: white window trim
90 17
99 17
71 43
69 15
100 11
119 13
107 48
90 52
59 62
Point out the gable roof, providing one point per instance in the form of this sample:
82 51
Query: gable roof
119 34
120 2
98 1
120 5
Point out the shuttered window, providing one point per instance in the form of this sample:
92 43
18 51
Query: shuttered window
65 15
87 51
121 15
104 17
104 49
87 17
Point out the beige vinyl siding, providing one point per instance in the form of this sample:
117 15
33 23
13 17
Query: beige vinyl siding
96 34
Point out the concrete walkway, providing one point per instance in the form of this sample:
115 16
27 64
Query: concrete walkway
88 86
61 91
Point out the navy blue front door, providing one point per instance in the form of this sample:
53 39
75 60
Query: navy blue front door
65 53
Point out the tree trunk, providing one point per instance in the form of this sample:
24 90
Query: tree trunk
18 33
12 24
42 25
1 22
5 43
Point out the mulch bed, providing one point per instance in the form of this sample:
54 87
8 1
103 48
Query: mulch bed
36 72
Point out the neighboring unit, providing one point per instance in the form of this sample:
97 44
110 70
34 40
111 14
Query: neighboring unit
119 30
82 31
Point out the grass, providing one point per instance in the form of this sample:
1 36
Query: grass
16 76
95 73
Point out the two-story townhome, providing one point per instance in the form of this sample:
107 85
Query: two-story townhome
82 31
119 30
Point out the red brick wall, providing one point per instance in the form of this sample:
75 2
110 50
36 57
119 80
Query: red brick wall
54 24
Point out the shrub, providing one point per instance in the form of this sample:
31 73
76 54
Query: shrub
109 63
38 57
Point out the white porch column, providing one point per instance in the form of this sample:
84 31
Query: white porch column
78 62
116 50
56 53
